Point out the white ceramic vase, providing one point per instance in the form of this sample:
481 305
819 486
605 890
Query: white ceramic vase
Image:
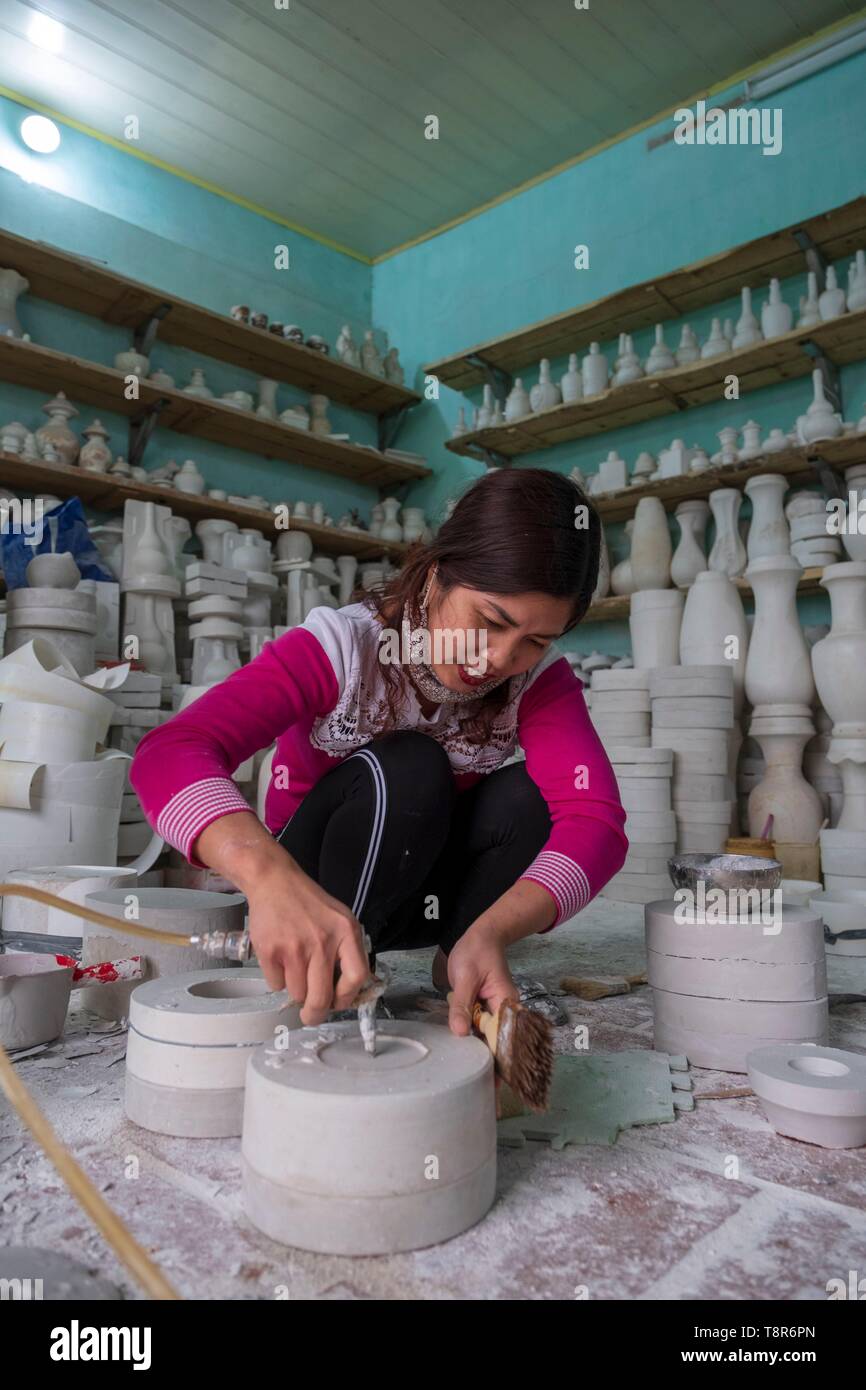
776 316
748 330
517 405
594 370
831 302
651 548
571 384
728 554
820 420
839 659
621 577
778 666
545 394
56 437
690 557
857 285
768 530
714 630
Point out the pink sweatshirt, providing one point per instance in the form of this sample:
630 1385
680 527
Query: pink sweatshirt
182 770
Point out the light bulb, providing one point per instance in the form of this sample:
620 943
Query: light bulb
40 134
46 33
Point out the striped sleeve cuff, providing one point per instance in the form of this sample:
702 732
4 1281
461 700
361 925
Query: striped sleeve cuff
564 880
193 808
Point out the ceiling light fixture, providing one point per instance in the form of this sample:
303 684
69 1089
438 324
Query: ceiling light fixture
40 134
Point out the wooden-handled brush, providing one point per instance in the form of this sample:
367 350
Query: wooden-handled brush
522 1047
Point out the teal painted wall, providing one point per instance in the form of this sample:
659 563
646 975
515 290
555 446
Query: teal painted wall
141 221
641 212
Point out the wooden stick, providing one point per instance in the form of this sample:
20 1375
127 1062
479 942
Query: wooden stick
124 1244
102 919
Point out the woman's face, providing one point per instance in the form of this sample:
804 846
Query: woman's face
490 636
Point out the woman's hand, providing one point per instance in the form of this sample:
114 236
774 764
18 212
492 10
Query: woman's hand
302 937
477 969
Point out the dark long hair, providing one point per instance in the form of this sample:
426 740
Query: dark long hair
514 531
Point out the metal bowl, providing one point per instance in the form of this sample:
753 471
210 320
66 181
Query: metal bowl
724 871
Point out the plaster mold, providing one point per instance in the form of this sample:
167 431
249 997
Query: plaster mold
34 998
338 1145
184 910
816 1094
190 1038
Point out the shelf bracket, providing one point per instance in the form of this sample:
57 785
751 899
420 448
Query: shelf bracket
145 334
496 377
390 424
489 457
141 427
829 372
815 259
828 478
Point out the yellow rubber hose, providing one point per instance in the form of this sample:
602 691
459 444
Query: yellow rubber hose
101 919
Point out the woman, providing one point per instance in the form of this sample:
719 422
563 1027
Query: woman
388 804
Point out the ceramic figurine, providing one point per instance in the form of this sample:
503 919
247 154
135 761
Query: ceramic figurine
729 452
318 344
644 466
748 330
751 446
717 344
460 423
276 328
347 348
728 554
660 358
258 319
776 316
414 522
393 369
571 384
497 418
831 304
241 312
820 420
628 363
197 386
297 416
11 286
13 437
594 370
699 462
132 363
56 435
161 379
485 410
241 400
120 468
267 406
545 393
775 441
189 479
857 283
370 359
517 405
319 422
293 333
95 455
810 314
689 349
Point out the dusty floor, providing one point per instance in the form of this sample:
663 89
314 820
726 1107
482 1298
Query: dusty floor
654 1216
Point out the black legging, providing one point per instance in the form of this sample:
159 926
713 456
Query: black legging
387 833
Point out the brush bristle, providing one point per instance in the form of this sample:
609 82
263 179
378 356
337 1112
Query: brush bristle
524 1053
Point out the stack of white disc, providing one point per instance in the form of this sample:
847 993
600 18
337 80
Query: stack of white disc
693 714
644 779
621 706
190 1038
721 988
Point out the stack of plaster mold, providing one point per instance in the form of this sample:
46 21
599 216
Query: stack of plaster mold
693 714
136 710
60 789
308 580
644 779
248 552
185 911
190 1040
750 770
838 661
621 706
149 586
54 607
844 913
723 987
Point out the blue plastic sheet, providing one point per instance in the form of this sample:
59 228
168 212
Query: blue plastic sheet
26 534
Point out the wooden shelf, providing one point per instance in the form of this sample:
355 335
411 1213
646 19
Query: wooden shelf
793 462
784 358
85 285
618 606
837 234
105 493
44 369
